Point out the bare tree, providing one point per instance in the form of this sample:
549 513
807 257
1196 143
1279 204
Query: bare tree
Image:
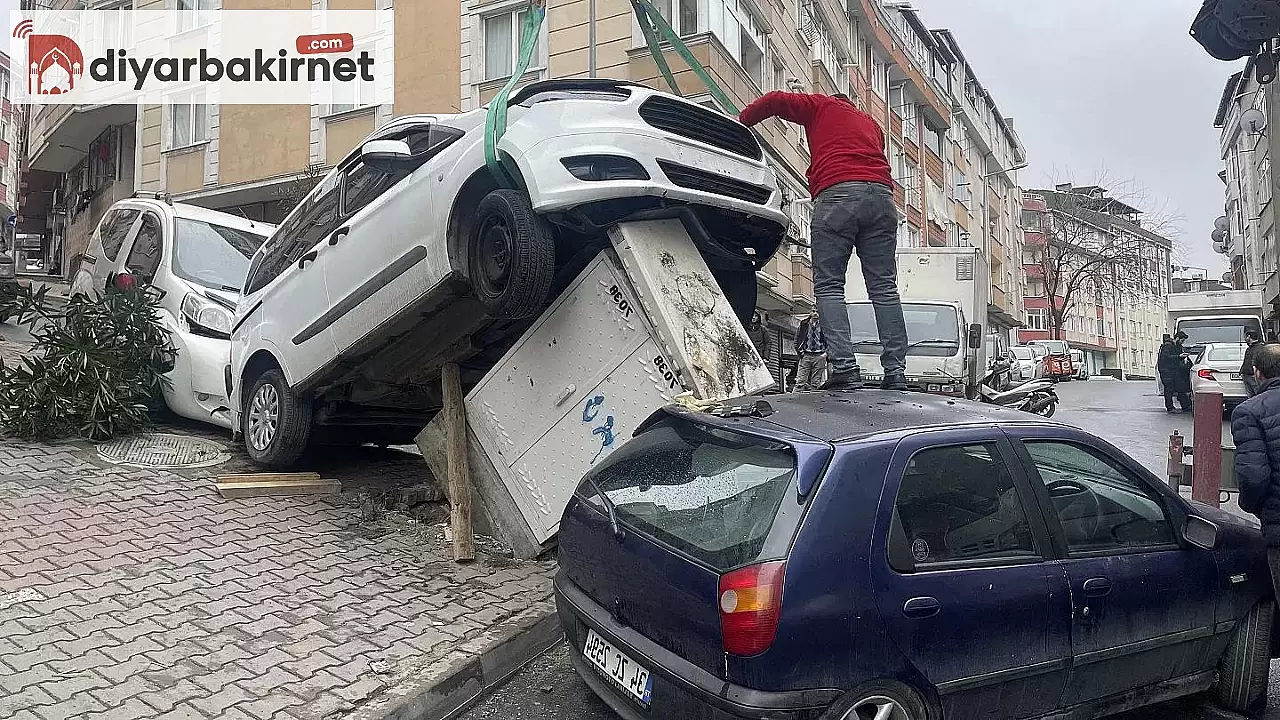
291 192
1094 241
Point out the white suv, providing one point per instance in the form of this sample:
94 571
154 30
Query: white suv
198 258
409 255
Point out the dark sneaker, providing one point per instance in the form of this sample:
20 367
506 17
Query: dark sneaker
894 381
841 381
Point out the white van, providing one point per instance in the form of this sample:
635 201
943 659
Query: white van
198 258
409 254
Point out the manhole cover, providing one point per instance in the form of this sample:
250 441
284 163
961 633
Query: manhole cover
163 450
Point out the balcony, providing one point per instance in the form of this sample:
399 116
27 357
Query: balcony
60 134
801 281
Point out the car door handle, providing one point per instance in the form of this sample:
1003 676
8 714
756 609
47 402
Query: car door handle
921 607
338 235
302 261
1097 587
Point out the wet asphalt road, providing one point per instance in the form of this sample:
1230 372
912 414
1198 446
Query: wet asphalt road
1128 414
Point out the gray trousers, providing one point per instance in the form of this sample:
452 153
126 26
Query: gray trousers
809 371
858 217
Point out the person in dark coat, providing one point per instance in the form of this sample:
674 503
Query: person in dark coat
1255 427
1246 367
1172 367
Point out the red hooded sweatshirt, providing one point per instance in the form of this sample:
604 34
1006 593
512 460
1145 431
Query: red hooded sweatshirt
845 144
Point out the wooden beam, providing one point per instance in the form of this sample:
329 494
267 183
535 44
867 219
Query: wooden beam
260 484
455 419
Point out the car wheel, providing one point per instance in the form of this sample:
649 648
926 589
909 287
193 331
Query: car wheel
276 423
881 700
1243 669
511 256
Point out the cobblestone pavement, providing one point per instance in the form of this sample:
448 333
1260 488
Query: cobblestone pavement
129 592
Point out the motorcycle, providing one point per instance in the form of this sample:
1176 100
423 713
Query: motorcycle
1037 397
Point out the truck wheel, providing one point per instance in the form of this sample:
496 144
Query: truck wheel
276 423
511 256
1243 669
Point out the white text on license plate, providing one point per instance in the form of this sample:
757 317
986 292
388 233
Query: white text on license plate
622 670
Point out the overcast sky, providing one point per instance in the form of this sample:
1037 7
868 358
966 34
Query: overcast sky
1112 87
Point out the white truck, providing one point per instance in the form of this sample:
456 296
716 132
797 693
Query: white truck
1215 315
944 301
644 323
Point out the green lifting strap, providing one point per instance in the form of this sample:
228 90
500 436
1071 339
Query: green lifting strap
496 117
648 17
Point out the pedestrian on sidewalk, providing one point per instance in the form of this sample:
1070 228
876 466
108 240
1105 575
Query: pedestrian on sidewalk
1255 428
761 338
853 211
811 348
1246 367
1174 379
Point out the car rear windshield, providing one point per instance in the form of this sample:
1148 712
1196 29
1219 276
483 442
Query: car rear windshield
1225 353
1055 347
711 494
1023 353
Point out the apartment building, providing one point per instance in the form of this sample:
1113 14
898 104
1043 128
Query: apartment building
1118 315
954 156
1248 234
11 124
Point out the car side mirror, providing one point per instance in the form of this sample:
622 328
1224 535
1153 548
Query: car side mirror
1201 533
975 336
386 155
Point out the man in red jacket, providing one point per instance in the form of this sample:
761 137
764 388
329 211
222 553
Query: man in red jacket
852 187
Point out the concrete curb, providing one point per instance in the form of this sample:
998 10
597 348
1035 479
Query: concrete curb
463 675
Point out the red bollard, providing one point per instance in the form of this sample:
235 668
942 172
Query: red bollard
1206 476
1174 468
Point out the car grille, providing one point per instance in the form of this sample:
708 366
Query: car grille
698 123
696 179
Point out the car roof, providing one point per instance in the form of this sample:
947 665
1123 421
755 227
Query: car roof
196 212
843 417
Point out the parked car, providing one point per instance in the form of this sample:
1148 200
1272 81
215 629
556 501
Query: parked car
409 254
1077 361
1057 361
870 556
198 259
1025 365
1041 354
1217 369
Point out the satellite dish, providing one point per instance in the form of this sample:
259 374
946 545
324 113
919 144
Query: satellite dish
1253 121
1218 236
1222 223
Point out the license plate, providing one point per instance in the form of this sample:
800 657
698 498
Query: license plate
617 667
1235 376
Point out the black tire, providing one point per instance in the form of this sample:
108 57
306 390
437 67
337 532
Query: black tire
292 418
511 256
1048 411
1244 667
853 705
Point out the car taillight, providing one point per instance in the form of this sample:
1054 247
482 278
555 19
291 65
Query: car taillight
750 605
1205 373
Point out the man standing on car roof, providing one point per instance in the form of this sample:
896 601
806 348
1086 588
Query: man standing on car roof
853 211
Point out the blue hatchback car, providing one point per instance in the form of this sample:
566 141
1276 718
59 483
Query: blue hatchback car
901 557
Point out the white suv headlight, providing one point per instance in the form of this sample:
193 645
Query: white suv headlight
206 317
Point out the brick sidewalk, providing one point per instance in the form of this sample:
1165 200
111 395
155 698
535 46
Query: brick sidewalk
139 593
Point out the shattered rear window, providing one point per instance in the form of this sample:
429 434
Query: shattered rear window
709 493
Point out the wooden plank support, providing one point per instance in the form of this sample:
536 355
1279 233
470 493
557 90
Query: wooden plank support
261 484
455 418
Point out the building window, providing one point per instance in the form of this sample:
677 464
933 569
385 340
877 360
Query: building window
962 188
779 74
910 181
188 122
194 13
1035 288
752 57
1037 319
502 44
933 140
685 22
348 96
880 78
910 130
